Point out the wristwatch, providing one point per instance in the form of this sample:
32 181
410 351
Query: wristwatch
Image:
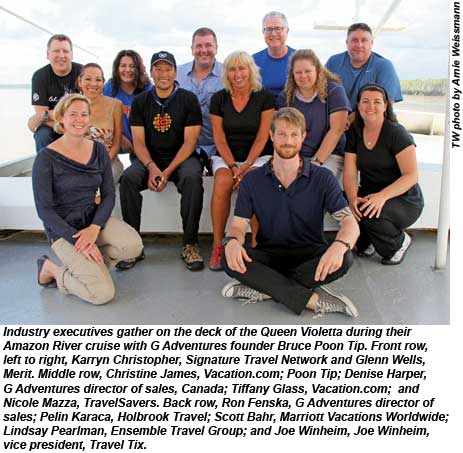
45 117
316 159
227 239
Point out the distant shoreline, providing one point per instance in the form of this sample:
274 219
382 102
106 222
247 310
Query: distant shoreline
17 86
417 87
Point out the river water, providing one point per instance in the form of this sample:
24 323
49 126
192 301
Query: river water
17 141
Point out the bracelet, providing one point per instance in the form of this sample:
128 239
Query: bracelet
343 242
232 165
316 159
227 239
248 163
147 165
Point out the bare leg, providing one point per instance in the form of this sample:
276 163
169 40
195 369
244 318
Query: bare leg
49 272
312 303
220 203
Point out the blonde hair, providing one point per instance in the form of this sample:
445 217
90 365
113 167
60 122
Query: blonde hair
323 75
63 104
241 57
291 116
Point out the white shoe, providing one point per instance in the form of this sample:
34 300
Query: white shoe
329 301
400 254
369 251
237 290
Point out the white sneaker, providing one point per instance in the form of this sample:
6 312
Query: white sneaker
237 290
369 251
400 254
329 301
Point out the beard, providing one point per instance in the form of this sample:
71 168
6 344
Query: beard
286 152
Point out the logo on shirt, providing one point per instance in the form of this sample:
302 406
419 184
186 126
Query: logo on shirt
126 110
162 123
35 97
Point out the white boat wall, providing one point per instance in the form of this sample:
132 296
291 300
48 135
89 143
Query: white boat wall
160 212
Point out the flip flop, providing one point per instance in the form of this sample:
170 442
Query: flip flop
40 263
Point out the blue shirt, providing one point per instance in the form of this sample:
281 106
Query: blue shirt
126 100
317 117
377 70
291 217
204 91
274 71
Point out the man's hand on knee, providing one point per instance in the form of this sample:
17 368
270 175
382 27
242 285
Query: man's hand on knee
330 261
236 256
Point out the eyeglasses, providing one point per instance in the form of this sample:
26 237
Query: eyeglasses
269 30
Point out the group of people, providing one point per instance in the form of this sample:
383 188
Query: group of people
280 128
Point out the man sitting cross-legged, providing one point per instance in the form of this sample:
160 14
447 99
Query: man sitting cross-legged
289 197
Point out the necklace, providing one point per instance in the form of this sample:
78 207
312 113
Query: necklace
299 170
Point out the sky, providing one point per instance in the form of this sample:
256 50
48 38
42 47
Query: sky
105 27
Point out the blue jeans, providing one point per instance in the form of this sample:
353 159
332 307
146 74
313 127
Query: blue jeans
43 136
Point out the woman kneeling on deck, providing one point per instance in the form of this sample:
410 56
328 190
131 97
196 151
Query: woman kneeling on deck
389 198
240 118
65 177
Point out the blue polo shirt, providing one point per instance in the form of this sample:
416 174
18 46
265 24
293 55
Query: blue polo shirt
291 217
317 117
204 91
377 70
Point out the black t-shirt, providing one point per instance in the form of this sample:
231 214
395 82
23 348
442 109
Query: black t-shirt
48 88
164 130
378 167
241 127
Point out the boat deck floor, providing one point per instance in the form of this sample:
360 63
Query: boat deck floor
160 290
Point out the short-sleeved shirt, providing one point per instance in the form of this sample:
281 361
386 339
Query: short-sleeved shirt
165 124
126 99
291 217
274 71
317 117
204 91
377 70
241 127
378 167
48 88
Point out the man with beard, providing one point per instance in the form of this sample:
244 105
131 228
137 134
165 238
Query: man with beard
292 260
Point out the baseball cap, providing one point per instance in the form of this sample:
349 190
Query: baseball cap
163 56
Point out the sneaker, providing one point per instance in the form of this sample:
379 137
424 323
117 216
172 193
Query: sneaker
125 265
369 251
237 290
215 261
193 260
329 301
400 254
